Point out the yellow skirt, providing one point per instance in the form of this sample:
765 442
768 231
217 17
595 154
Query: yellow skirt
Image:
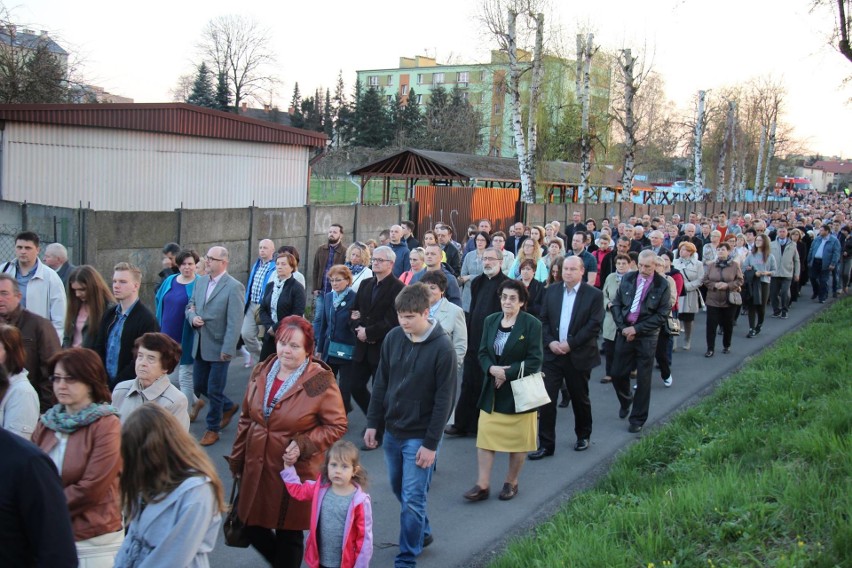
507 432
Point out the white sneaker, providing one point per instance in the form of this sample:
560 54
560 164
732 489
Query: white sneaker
247 362
668 382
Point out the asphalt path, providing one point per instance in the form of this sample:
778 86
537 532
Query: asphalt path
469 534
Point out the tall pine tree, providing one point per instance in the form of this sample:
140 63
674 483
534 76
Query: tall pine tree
327 120
202 89
223 95
372 124
296 118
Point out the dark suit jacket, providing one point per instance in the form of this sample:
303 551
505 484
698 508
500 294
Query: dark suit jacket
523 345
291 301
453 259
378 317
513 244
536 293
570 230
652 312
139 322
583 330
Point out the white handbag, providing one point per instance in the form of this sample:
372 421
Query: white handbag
529 391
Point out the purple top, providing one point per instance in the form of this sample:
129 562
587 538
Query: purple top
174 306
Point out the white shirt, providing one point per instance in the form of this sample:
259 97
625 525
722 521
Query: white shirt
568 299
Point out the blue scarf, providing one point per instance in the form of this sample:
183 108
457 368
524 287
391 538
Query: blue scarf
337 299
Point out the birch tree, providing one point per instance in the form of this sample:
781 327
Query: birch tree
698 134
770 153
505 30
587 50
627 62
721 195
760 150
734 156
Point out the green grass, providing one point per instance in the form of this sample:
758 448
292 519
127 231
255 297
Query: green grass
343 192
757 474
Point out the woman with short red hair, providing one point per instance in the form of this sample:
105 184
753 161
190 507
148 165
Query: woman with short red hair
292 406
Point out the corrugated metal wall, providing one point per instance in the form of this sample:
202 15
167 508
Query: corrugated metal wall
460 206
113 170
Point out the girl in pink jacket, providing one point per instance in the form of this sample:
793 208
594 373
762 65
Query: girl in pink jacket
340 509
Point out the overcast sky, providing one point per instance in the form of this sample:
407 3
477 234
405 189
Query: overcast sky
139 50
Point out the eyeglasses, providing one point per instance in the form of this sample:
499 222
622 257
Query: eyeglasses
336 280
491 258
380 260
68 380
209 258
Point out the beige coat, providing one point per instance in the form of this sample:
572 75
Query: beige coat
692 271
129 395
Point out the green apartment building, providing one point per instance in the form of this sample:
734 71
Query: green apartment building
483 85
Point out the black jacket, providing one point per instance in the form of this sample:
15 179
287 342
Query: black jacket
583 329
35 527
139 322
414 386
453 259
378 317
291 301
652 312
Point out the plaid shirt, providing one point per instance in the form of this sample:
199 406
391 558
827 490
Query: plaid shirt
259 279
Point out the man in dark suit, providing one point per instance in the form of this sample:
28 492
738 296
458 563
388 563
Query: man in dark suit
575 225
571 319
444 234
373 316
215 311
516 239
639 309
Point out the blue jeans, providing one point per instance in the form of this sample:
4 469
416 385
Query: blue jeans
819 278
209 378
318 309
410 484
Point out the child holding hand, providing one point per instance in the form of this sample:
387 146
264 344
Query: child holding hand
341 530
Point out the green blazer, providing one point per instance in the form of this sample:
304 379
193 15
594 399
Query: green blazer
523 345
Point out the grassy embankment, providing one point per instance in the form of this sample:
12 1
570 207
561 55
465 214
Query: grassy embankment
757 474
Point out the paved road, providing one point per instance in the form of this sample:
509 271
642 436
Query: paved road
467 533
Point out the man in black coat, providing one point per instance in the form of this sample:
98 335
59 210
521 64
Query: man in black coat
373 316
444 234
122 325
484 301
514 242
639 309
571 318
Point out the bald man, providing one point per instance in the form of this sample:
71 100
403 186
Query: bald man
400 249
216 312
261 270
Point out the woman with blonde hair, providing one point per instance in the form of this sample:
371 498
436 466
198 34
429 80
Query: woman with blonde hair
358 262
417 258
708 253
89 298
171 494
537 233
529 251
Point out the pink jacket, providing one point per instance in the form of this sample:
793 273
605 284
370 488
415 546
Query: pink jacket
358 533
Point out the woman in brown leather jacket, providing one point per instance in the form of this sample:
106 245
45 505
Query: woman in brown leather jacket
292 405
721 278
81 434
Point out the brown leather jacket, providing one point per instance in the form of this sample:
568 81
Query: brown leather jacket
40 344
90 475
321 259
312 414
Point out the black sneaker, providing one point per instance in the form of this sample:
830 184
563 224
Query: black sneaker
784 315
776 314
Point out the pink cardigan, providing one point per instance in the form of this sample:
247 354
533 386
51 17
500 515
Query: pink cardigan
358 532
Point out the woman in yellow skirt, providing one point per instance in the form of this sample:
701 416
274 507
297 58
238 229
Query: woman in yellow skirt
509 338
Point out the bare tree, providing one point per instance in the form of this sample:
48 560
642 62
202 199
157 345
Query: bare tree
240 49
627 62
181 91
770 153
842 11
734 157
585 52
721 195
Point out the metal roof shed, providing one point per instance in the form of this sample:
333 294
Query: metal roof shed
151 157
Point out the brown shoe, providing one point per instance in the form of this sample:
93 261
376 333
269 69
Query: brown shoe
209 438
477 493
508 491
227 415
196 408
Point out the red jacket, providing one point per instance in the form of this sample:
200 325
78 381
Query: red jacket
358 532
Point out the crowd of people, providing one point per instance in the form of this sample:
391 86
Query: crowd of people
97 391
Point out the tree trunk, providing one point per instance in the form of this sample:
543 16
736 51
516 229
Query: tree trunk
514 92
535 95
723 154
697 150
769 155
734 157
578 80
760 150
627 63
585 139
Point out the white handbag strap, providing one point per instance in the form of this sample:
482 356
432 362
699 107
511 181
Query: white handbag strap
521 371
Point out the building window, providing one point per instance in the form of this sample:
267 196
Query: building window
373 80
437 78
390 80
420 99
464 77
389 98
404 90
464 96
419 78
